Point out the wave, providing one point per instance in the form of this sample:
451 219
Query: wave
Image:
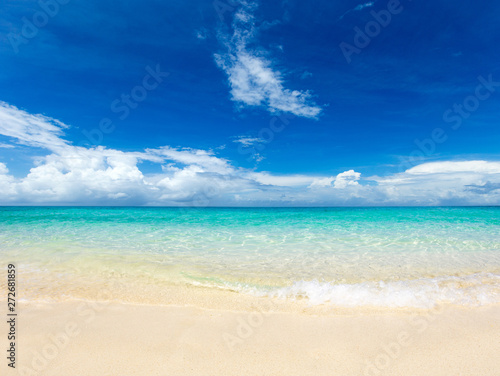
473 290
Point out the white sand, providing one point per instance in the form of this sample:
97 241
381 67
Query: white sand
84 338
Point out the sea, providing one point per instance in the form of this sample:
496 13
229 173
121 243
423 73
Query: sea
391 257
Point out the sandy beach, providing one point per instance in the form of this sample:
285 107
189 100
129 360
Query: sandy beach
98 338
120 292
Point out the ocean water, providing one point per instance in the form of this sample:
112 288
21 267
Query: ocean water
349 257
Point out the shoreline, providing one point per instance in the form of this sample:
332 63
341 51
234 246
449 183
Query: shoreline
88 337
310 297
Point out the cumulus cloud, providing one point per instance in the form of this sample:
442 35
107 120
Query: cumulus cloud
268 179
191 177
322 182
347 178
205 160
6 183
253 79
341 181
441 183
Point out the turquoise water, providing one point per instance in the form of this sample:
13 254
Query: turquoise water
342 256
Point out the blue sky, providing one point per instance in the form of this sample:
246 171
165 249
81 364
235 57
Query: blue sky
256 103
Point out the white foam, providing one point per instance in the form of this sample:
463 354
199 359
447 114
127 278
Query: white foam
472 290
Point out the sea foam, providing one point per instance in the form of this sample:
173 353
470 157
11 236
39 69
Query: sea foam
474 290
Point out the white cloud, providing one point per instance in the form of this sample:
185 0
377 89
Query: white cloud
281 180
248 141
7 191
252 76
3 169
342 180
206 160
347 178
32 130
322 182
251 145
455 167
201 34
78 175
440 183
363 6
357 8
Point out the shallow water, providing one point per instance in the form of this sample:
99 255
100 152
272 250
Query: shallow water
387 257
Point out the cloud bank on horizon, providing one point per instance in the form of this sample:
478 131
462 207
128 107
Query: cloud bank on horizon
63 173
